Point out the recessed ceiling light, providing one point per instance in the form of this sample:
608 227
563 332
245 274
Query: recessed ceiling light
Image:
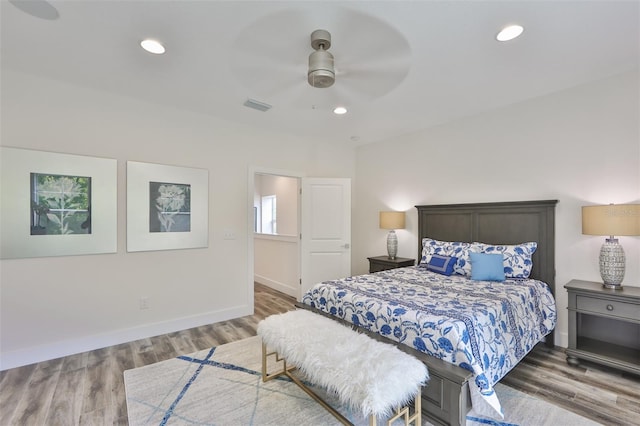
509 33
152 46
340 110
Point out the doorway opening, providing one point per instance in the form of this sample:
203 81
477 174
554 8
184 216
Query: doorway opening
276 231
296 242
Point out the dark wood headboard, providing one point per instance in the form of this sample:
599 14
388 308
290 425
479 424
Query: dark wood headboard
496 223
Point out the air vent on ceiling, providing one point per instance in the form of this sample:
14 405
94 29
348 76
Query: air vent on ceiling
260 106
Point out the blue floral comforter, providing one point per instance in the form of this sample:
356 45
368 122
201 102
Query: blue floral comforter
482 326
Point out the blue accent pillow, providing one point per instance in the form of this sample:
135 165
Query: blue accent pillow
517 258
442 264
456 249
487 267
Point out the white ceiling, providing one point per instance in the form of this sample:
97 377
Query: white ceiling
402 66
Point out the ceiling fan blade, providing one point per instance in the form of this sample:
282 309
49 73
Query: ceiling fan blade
259 77
38 8
271 54
360 38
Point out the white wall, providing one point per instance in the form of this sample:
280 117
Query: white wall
55 306
277 262
580 146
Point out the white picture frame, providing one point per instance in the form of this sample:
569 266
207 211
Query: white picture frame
143 233
16 227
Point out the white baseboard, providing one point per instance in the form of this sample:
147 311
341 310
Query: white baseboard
564 339
55 350
281 287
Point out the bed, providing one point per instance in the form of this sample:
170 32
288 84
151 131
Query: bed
469 333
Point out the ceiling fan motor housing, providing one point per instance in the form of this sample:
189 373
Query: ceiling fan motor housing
321 72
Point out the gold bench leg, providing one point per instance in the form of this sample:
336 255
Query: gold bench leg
287 371
266 376
405 412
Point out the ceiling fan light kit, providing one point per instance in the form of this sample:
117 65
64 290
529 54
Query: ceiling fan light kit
321 72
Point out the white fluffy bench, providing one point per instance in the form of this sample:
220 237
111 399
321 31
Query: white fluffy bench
375 378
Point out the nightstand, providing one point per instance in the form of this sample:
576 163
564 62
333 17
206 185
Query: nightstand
604 325
383 263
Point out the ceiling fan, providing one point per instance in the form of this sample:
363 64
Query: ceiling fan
270 57
321 73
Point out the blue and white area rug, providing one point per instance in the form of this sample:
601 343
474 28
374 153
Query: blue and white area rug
223 386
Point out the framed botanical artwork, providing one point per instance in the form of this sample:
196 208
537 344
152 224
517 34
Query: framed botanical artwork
167 207
56 204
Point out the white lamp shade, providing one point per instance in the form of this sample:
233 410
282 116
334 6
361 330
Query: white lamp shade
392 220
612 219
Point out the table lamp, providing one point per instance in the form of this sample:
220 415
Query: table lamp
612 219
392 221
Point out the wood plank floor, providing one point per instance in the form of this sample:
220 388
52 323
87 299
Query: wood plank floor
88 388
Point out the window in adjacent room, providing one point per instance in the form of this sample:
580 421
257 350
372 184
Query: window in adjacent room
268 208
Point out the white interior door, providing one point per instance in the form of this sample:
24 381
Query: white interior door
326 230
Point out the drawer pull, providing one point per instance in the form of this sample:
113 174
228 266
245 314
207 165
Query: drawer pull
609 307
